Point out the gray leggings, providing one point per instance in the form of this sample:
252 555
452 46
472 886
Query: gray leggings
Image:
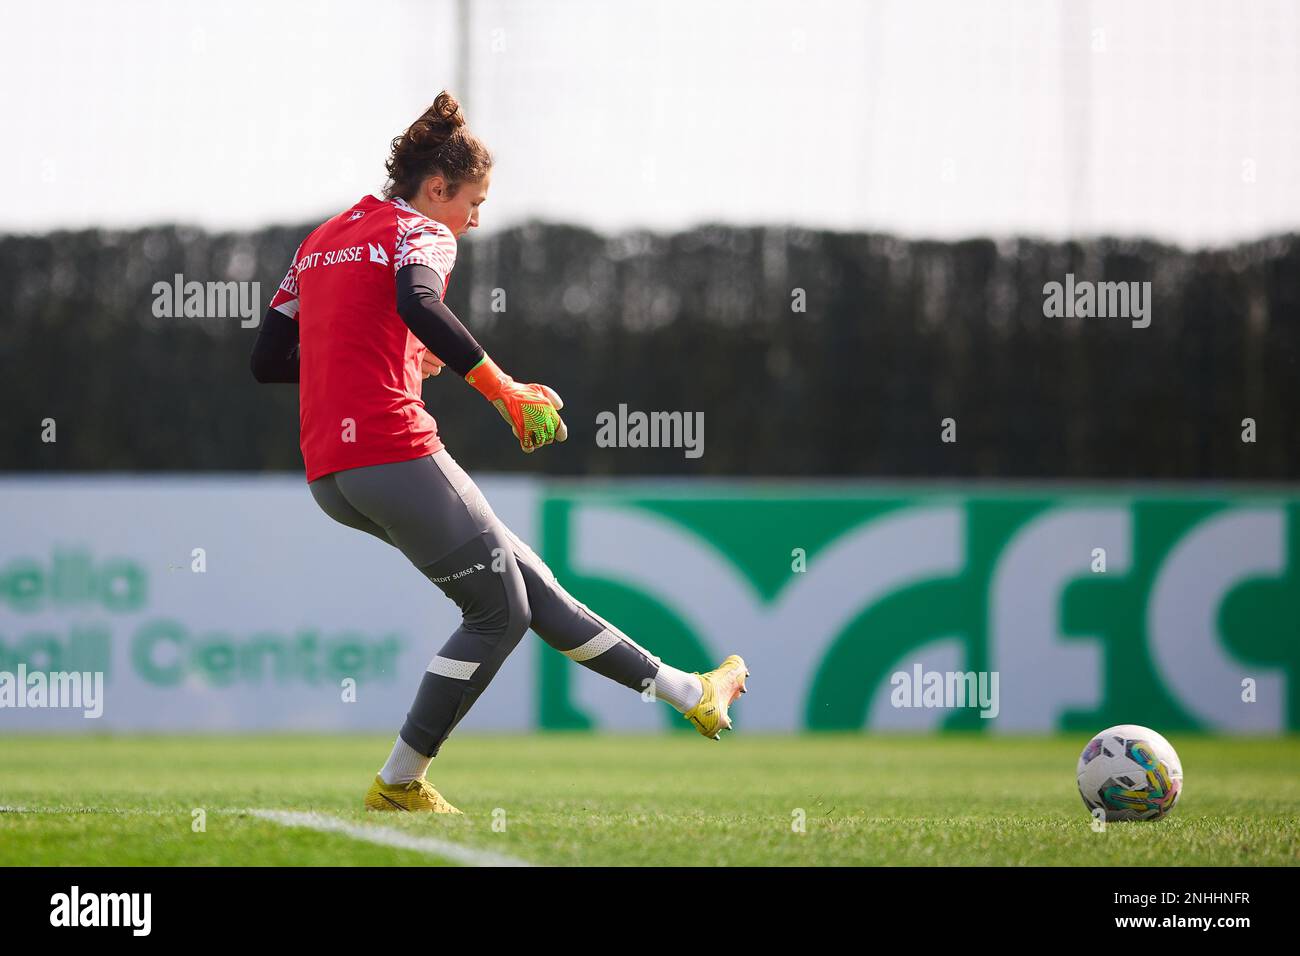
432 511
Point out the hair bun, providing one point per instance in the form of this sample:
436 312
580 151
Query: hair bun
437 142
447 109
438 123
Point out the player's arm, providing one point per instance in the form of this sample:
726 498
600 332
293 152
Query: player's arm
429 319
275 353
530 410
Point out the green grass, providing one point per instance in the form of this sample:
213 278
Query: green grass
637 800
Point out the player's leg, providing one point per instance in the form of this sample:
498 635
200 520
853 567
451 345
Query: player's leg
584 636
437 517
580 635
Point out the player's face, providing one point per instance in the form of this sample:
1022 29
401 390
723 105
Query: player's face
459 211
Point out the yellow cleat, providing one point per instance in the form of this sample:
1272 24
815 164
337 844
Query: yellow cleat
721 688
414 797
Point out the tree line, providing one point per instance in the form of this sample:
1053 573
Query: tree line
799 353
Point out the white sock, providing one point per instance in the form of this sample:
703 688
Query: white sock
405 764
679 688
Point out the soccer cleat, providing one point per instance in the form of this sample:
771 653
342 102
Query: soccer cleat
721 688
414 797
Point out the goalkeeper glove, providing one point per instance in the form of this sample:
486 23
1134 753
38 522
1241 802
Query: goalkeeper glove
530 410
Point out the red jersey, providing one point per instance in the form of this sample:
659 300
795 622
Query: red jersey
359 368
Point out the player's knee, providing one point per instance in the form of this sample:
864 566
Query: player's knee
499 611
515 604
519 610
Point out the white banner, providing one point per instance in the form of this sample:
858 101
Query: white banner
221 603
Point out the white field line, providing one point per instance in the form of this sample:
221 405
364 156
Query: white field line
93 811
386 836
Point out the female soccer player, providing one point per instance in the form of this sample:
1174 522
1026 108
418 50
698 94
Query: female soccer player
357 322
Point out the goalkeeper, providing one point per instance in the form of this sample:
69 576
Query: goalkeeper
358 322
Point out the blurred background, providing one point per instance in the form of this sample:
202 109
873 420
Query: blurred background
826 228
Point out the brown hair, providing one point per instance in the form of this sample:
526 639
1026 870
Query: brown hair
438 142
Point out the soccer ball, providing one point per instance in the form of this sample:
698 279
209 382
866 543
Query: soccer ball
1131 773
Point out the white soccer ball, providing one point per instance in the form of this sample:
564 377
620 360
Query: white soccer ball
1130 773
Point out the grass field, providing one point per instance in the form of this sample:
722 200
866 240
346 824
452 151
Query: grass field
620 800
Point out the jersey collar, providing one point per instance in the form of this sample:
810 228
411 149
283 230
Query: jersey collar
401 203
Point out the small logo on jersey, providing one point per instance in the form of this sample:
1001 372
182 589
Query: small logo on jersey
377 254
356 215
